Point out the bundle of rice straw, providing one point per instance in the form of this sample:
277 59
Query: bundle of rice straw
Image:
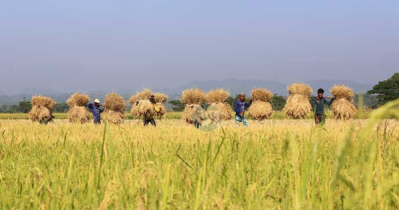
218 109
343 106
42 108
298 105
194 113
77 108
142 107
193 96
114 108
261 108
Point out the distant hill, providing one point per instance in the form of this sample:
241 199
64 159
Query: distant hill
235 86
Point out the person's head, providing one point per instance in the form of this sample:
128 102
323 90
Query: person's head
241 96
152 99
97 102
320 93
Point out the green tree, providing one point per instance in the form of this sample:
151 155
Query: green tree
278 102
61 108
24 106
177 106
387 90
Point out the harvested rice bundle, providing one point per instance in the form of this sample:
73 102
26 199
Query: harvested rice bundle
261 108
114 108
77 108
42 108
143 108
160 98
298 105
162 108
218 110
343 106
193 96
143 95
260 94
194 113
217 96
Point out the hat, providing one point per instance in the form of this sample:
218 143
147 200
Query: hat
97 101
241 94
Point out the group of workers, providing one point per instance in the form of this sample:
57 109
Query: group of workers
240 105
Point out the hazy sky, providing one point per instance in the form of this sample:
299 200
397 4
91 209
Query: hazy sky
82 45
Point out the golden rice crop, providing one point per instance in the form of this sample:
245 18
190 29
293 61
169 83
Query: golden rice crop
217 96
193 96
115 117
261 94
43 102
343 107
161 98
298 105
77 108
144 108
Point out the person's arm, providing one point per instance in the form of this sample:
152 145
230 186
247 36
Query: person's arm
247 105
90 106
314 104
331 102
101 109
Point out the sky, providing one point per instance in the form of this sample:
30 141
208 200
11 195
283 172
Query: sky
108 45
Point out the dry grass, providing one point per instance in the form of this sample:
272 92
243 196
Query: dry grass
78 99
193 113
343 107
78 114
300 88
142 95
261 94
144 108
260 110
41 109
298 105
193 96
218 112
217 96
114 108
161 98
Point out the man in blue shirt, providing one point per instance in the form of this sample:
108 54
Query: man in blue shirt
239 109
96 110
318 106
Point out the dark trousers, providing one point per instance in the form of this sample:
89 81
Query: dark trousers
97 121
148 121
320 119
197 124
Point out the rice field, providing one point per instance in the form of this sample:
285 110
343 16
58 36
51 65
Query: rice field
277 164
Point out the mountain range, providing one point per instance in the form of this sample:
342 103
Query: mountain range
235 86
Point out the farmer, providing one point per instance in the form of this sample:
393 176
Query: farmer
96 110
157 109
318 107
239 108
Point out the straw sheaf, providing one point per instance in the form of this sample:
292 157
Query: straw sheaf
40 114
193 113
143 108
78 114
114 102
162 108
300 88
142 95
78 99
43 101
217 96
161 98
260 94
260 110
115 117
217 112
193 96
342 92
343 109
297 106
